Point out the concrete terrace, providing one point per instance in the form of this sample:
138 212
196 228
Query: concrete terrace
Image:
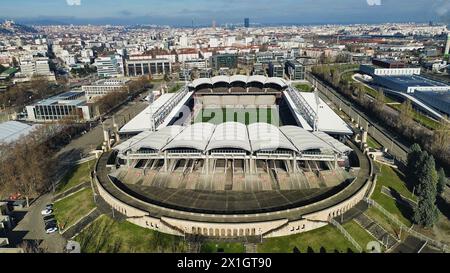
289 210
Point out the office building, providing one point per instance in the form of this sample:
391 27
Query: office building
276 69
109 66
145 66
294 71
224 61
104 87
247 22
69 105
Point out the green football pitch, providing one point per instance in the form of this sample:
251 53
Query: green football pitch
243 115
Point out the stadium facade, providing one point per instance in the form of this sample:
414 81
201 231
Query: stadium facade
183 170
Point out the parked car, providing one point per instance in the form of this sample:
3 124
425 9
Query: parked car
46 212
49 206
48 218
51 229
50 222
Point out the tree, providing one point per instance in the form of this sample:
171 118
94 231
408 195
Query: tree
406 114
380 99
441 137
26 166
413 162
426 211
442 181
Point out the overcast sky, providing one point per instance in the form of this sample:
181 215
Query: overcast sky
182 12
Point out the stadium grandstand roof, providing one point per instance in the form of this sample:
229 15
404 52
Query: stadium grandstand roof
339 146
304 140
239 78
141 121
195 136
232 135
266 137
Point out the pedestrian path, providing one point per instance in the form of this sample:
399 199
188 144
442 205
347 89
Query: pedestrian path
377 231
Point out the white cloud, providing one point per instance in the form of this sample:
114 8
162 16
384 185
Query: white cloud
73 2
374 2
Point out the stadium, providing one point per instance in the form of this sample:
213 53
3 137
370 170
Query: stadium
234 157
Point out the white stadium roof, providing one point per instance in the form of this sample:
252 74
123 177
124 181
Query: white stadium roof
329 121
304 140
159 139
195 136
231 135
264 136
142 121
239 78
339 146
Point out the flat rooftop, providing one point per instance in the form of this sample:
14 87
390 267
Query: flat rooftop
141 122
75 98
329 121
415 80
13 130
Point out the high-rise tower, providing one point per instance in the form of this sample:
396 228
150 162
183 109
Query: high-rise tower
447 46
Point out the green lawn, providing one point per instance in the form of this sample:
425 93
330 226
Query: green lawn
72 208
304 87
327 237
373 143
106 235
246 116
393 179
361 236
216 247
77 175
175 88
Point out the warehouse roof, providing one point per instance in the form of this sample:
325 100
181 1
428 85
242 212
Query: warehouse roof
13 130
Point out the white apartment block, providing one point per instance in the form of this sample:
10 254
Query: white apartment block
109 67
104 87
35 66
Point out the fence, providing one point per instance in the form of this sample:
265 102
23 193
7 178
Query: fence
346 234
404 227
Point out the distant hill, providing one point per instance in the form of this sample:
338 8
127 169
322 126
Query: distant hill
16 28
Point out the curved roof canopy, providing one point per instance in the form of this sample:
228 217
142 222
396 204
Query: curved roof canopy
197 82
267 137
218 79
158 139
277 81
339 146
238 78
195 136
257 78
128 144
303 139
230 135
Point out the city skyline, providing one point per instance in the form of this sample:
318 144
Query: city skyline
181 13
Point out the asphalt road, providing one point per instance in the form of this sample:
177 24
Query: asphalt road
30 224
31 227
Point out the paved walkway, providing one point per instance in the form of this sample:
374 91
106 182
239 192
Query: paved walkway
398 197
81 224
